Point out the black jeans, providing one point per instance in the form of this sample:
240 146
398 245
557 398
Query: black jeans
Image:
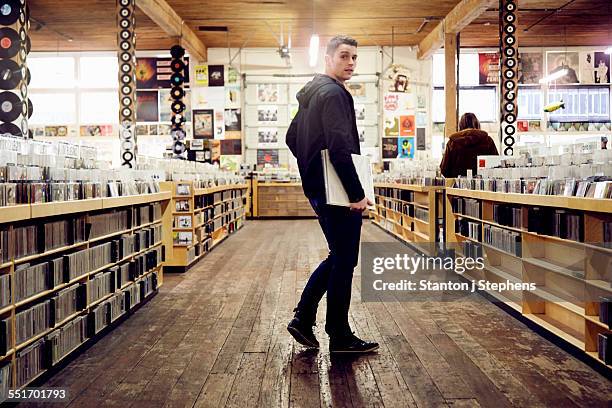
342 230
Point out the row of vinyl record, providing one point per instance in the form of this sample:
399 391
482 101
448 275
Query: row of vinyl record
593 187
472 250
32 279
467 206
49 192
54 311
560 223
503 239
395 193
23 241
52 348
468 228
508 215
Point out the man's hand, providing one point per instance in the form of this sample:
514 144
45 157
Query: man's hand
362 205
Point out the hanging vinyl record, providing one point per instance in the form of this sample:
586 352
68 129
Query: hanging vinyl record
124 23
126 90
178 66
10 106
177 92
9 11
177 79
509 18
126 79
126 56
178 148
9 42
510 62
126 101
125 45
10 74
126 112
125 35
177 107
30 108
509 40
23 90
177 51
10 128
177 120
510 118
178 134
509 131
24 126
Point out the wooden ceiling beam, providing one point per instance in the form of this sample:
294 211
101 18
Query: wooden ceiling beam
455 21
168 20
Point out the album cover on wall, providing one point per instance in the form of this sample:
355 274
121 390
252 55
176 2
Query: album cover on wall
389 148
602 68
267 114
361 132
231 147
203 123
407 125
357 90
420 137
267 157
392 126
488 71
267 136
154 73
531 67
267 93
406 147
147 106
232 120
558 60
360 112
196 144
96 130
216 75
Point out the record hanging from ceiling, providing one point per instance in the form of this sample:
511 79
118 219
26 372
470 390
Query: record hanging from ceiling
126 53
177 105
509 64
15 106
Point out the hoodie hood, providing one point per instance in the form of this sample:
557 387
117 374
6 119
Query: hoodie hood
470 137
310 89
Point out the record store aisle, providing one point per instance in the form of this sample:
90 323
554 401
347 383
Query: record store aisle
216 337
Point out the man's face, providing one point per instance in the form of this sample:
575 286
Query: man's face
343 63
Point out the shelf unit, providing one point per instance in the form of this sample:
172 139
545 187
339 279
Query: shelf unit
213 213
39 213
279 199
569 276
411 213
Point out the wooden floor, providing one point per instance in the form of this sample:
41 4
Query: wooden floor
216 337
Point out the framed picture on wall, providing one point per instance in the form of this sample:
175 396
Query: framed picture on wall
203 123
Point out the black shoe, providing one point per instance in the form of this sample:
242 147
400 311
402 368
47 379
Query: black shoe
302 333
352 344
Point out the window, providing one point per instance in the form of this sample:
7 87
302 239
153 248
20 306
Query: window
582 104
52 72
99 107
482 101
529 103
98 72
53 108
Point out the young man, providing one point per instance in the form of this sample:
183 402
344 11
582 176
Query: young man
326 120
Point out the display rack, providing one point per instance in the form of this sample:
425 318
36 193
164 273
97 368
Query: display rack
279 199
213 213
570 275
411 213
110 307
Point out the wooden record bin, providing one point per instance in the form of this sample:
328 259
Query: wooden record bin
411 213
142 218
570 266
201 219
278 199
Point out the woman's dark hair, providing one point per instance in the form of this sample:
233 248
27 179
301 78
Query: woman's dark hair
469 121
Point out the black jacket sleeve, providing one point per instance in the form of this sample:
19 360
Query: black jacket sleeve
291 138
338 131
446 159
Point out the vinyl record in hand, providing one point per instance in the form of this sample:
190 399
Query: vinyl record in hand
9 11
10 74
177 92
177 51
177 79
10 106
10 128
177 65
9 42
177 107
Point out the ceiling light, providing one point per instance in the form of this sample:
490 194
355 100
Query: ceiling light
313 52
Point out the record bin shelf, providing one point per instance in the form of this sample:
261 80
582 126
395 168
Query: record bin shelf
411 213
561 249
201 219
41 214
279 199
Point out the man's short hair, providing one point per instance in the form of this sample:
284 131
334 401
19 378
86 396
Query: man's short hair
336 41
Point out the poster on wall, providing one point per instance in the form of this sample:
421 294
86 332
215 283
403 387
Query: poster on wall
267 114
267 157
398 77
407 125
267 93
421 119
215 151
209 98
147 106
232 120
219 124
216 75
229 146
232 97
587 67
389 148
391 102
488 68
531 67
165 101
420 139
361 132
358 90
96 130
230 163
153 130
203 124
558 60
267 137
406 147
602 68
391 126
232 76
360 112
154 73
201 75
